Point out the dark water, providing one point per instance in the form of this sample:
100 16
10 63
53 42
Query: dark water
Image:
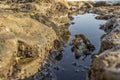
88 25
66 66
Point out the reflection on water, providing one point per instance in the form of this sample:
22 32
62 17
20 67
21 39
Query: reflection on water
84 24
73 61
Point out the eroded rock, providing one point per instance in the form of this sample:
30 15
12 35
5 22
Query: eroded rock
24 43
105 66
81 45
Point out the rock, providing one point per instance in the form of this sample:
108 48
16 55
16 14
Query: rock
74 63
100 3
57 68
82 70
57 44
116 4
26 35
106 64
109 25
104 17
63 69
86 67
59 55
111 39
77 70
71 18
81 46
77 5
72 23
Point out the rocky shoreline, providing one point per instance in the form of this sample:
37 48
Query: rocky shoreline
27 35
105 65
32 29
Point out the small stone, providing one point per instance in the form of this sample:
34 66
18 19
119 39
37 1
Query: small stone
82 70
86 67
77 70
57 68
74 63
72 22
63 69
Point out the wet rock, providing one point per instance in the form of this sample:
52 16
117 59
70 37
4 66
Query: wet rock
63 69
105 66
109 25
100 3
77 70
76 6
28 7
81 46
71 18
86 67
46 72
72 23
74 63
104 17
59 57
116 4
111 39
117 66
57 44
57 68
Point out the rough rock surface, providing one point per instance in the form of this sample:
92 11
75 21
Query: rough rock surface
24 43
27 35
105 66
81 46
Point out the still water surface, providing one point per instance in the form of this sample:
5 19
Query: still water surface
84 24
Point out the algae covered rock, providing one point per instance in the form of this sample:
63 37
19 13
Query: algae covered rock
81 45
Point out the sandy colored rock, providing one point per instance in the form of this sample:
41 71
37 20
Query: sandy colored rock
33 34
105 65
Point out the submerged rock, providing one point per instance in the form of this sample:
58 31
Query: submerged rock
77 70
74 63
81 46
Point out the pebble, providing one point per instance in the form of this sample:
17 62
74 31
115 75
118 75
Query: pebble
74 63
77 70
72 22
63 69
86 67
57 68
82 70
